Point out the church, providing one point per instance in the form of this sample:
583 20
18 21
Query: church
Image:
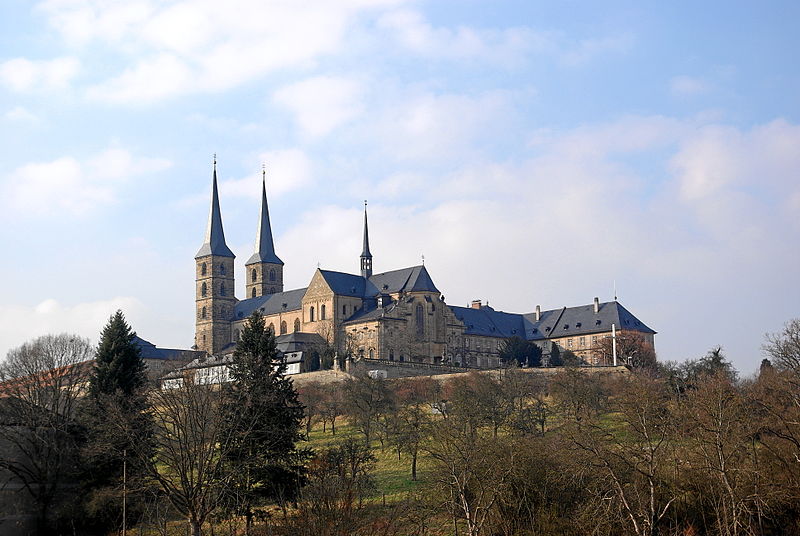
399 315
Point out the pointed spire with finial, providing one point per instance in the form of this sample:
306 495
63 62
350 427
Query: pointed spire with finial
366 256
265 247
215 237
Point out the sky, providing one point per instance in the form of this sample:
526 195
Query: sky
536 153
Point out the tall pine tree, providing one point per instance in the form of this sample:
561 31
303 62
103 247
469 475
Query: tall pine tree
266 416
116 418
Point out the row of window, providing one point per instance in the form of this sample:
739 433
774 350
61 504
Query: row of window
254 275
204 269
223 291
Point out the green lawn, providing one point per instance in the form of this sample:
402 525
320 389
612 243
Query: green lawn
392 476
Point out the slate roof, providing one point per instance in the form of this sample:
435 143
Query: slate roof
344 284
555 323
265 248
151 351
215 237
298 341
413 279
365 249
270 303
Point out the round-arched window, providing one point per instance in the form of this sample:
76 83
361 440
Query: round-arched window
222 268
271 327
283 327
222 289
203 312
272 275
311 314
253 293
254 275
203 290
297 324
203 269
322 312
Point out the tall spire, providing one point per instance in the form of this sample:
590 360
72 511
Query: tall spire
215 237
366 256
265 248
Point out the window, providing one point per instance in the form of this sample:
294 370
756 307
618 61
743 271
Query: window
222 289
569 343
222 269
322 312
272 275
203 313
372 353
420 321
283 327
594 340
311 314
391 355
582 342
254 275
203 269
271 327
238 335
253 293
344 310
203 290
297 324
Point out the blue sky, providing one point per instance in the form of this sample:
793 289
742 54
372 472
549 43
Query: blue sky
534 152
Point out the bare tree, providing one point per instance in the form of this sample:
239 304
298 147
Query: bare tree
784 347
331 405
42 381
191 442
632 349
366 399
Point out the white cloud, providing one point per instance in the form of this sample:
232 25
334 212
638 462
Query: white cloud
687 86
430 126
69 185
322 103
20 323
507 46
21 74
22 115
203 45
287 170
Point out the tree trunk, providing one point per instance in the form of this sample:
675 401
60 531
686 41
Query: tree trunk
414 466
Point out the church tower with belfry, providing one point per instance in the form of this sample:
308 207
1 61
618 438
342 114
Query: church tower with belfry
264 269
214 294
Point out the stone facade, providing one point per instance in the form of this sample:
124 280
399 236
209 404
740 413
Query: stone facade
395 316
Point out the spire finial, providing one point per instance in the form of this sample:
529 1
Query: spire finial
215 161
263 171
423 259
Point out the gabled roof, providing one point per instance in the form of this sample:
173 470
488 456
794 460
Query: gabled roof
344 284
151 351
298 341
486 321
555 323
268 304
582 320
413 279
265 248
215 237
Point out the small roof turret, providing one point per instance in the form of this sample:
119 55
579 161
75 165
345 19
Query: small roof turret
215 237
265 247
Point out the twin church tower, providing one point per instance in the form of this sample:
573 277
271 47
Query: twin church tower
215 294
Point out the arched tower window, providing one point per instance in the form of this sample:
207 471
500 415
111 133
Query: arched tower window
283 327
311 314
372 353
222 268
420 318
297 324
391 355
203 269
222 289
271 327
272 275
203 290
203 312
322 312
253 292
254 275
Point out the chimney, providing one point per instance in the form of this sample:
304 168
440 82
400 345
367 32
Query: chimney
538 312
596 305
476 304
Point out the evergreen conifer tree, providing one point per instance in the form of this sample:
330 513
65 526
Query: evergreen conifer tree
266 415
115 416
